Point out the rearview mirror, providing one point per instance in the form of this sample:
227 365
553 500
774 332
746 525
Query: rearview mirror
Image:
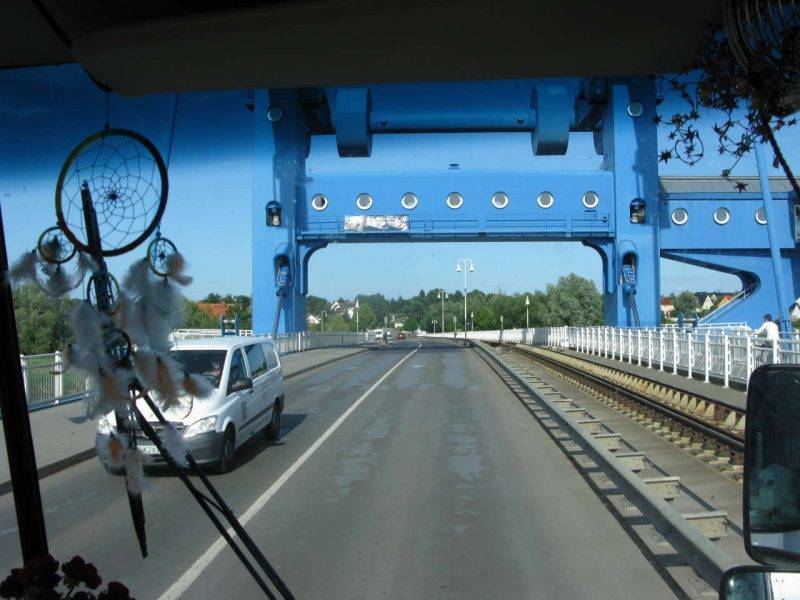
756 582
772 466
245 383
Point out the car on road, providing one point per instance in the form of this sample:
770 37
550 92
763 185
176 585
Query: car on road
247 399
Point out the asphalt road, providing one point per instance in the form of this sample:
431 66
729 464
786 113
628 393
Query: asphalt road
429 481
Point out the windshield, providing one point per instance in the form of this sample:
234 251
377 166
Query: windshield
493 278
208 363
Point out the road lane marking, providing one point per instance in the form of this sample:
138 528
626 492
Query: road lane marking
194 571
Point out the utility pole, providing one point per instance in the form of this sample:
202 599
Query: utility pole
465 262
442 295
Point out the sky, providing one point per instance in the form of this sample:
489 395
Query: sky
45 112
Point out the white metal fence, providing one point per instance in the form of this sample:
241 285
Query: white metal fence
46 385
724 354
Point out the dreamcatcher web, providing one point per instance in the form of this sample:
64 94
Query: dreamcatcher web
127 182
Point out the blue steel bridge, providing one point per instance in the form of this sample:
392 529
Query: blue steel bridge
623 210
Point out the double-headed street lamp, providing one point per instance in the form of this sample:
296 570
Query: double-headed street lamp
465 262
434 321
442 295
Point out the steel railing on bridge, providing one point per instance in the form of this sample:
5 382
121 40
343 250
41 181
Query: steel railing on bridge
724 354
46 384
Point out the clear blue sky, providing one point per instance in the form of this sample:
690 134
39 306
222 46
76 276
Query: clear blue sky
44 112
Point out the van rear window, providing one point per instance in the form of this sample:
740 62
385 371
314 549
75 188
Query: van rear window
208 363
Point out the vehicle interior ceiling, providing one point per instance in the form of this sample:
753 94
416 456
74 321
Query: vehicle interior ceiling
151 46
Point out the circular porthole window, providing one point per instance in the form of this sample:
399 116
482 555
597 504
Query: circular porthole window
455 200
500 200
409 201
680 216
761 216
591 200
635 109
363 201
545 200
319 202
722 215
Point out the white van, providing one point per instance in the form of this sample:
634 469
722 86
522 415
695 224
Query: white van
248 399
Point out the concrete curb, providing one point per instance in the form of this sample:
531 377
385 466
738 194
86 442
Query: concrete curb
83 455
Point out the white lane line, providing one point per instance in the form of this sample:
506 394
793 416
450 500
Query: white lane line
193 572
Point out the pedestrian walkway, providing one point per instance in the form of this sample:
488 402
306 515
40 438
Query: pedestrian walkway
64 436
694 387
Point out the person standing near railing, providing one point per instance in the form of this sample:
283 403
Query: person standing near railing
770 330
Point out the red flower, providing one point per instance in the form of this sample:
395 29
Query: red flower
14 585
116 591
82 572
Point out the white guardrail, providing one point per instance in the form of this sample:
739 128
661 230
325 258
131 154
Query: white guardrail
46 385
724 354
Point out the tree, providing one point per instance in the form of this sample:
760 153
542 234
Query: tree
366 317
43 322
685 302
574 300
194 318
315 305
212 298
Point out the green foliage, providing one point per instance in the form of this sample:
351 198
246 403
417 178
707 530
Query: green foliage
685 302
366 316
43 323
572 301
194 318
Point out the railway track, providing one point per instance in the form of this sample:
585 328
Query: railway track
705 427
670 475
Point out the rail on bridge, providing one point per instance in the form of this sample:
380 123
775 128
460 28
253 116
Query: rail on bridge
723 355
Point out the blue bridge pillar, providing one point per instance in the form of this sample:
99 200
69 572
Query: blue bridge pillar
279 153
630 152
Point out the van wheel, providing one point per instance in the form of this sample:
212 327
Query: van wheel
273 428
227 452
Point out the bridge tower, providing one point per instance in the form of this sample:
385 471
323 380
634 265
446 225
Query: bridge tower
619 209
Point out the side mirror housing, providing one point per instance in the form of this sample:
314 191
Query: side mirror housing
772 467
757 582
245 383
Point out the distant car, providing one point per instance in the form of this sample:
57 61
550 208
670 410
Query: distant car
401 336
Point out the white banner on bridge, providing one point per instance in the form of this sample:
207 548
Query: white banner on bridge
376 223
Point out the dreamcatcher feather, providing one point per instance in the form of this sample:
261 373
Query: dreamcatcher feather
122 333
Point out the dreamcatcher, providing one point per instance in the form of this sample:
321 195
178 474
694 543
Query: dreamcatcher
110 197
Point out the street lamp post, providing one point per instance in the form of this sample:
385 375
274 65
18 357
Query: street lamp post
455 324
434 321
443 296
465 262
471 321
322 322
357 329
527 305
